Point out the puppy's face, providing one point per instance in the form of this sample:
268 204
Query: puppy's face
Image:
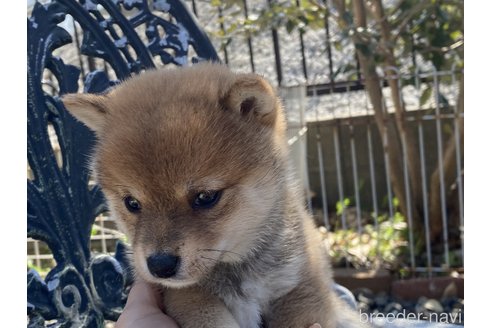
191 162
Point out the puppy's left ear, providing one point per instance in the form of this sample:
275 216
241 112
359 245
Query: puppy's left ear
88 108
251 95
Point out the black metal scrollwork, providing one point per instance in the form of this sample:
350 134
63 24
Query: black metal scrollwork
84 290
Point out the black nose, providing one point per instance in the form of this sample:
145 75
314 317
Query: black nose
163 265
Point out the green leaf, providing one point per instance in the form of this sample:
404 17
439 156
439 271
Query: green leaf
425 96
337 45
290 26
216 3
456 35
339 207
396 202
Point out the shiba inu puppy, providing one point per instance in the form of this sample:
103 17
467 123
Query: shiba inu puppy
194 165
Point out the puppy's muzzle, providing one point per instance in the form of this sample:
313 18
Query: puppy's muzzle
163 265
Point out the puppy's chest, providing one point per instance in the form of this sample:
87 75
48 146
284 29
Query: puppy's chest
248 302
249 296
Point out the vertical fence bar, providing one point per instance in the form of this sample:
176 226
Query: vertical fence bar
193 7
79 54
458 164
322 181
222 28
301 94
51 83
103 235
303 54
356 185
304 65
37 253
408 201
353 159
105 65
408 194
91 63
444 214
276 49
386 158
328 42
388 179
321 165
250 44
359 74
424 182
426 204
341 196
336 140
308 183
356 188
373 184
294 99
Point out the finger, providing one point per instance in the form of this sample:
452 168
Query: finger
143 293
316 325
140 306
156 320
141 302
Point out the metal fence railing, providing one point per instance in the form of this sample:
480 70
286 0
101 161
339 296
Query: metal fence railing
103 238
349 166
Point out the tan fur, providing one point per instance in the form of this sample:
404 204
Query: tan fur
166 135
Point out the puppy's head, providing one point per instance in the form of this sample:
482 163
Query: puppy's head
191 162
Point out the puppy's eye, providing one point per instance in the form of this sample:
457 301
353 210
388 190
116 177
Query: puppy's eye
132 204
206 199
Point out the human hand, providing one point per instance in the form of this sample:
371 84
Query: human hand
142 310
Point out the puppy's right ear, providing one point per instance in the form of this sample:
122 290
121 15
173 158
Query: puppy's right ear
88 108
252 96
